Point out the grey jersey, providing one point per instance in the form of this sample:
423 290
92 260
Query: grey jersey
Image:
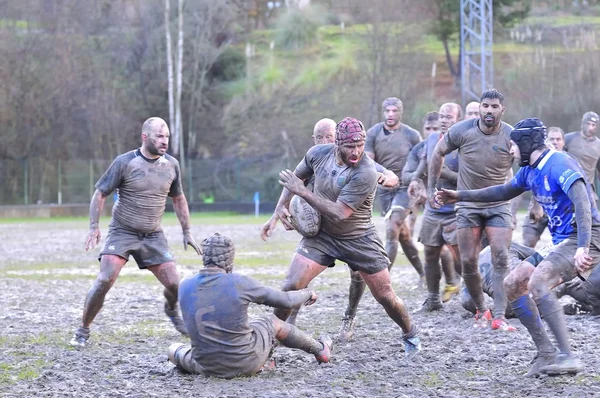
353 186
143 185
391 148
484 159
585 151
214 306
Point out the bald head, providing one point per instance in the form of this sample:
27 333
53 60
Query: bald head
153 124
324 132
472 110
450 113
155 137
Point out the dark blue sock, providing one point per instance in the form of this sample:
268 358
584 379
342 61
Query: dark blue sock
527 312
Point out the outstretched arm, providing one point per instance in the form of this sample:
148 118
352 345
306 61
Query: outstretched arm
291 299
490 194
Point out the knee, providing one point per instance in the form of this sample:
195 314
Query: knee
538 285
515 284
355 277
404 234
384 295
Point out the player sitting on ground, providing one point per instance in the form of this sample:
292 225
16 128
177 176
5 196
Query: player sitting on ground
214 305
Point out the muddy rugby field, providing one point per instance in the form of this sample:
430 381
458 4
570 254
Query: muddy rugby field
45 274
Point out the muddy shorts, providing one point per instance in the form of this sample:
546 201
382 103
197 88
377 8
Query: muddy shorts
364 253
561 255
264 345
147 249
393 199
537 228
438 229
497 217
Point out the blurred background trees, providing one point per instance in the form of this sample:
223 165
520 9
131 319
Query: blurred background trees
78 78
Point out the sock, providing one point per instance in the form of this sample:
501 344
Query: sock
298 339
357 288
498 275
552 312
527 312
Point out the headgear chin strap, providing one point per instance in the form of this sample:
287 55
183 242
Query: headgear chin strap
349 130
529 134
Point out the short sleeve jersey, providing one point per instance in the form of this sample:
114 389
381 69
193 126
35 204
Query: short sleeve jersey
585 151
353 186
391 148
414 157
450 161
214 306
143 185
549 183
485 159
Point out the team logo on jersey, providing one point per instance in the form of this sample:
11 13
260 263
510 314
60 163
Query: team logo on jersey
546 184
341 181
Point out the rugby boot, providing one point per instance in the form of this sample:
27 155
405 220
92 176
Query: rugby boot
172 353
346 330
430 305
449 292
503 325
541 360
482 321
176 319
412 346
325 355
412 343
81 337
563 364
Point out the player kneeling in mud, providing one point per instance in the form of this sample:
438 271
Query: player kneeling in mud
214 305
559 185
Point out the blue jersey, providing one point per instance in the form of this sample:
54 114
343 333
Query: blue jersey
549 183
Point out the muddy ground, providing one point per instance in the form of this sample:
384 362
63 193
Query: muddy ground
45 274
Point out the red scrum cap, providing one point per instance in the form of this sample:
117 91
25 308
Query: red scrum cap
349 130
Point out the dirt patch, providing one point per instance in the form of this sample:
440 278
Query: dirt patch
47 274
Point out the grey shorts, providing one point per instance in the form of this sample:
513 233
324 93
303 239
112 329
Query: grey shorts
561 255
537 228
147 249
264 344
497 217
364 253
438 229
393 199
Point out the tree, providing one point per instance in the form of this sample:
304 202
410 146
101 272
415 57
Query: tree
175 93
446 24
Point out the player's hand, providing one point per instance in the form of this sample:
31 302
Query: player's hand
445 196
283 214
536 213
417 192
93 238
387 179
312 299
289 180
583 260
269 227
188 239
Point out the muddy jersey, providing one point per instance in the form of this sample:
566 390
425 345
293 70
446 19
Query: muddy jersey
585 151
516 254
391 148
214 306
549 183
144 185
353 186
451 162
485 159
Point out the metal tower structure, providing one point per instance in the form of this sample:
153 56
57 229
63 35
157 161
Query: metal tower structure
476 42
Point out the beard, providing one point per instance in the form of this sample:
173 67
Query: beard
153 149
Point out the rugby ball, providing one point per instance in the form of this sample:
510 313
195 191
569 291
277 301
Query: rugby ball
304 217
